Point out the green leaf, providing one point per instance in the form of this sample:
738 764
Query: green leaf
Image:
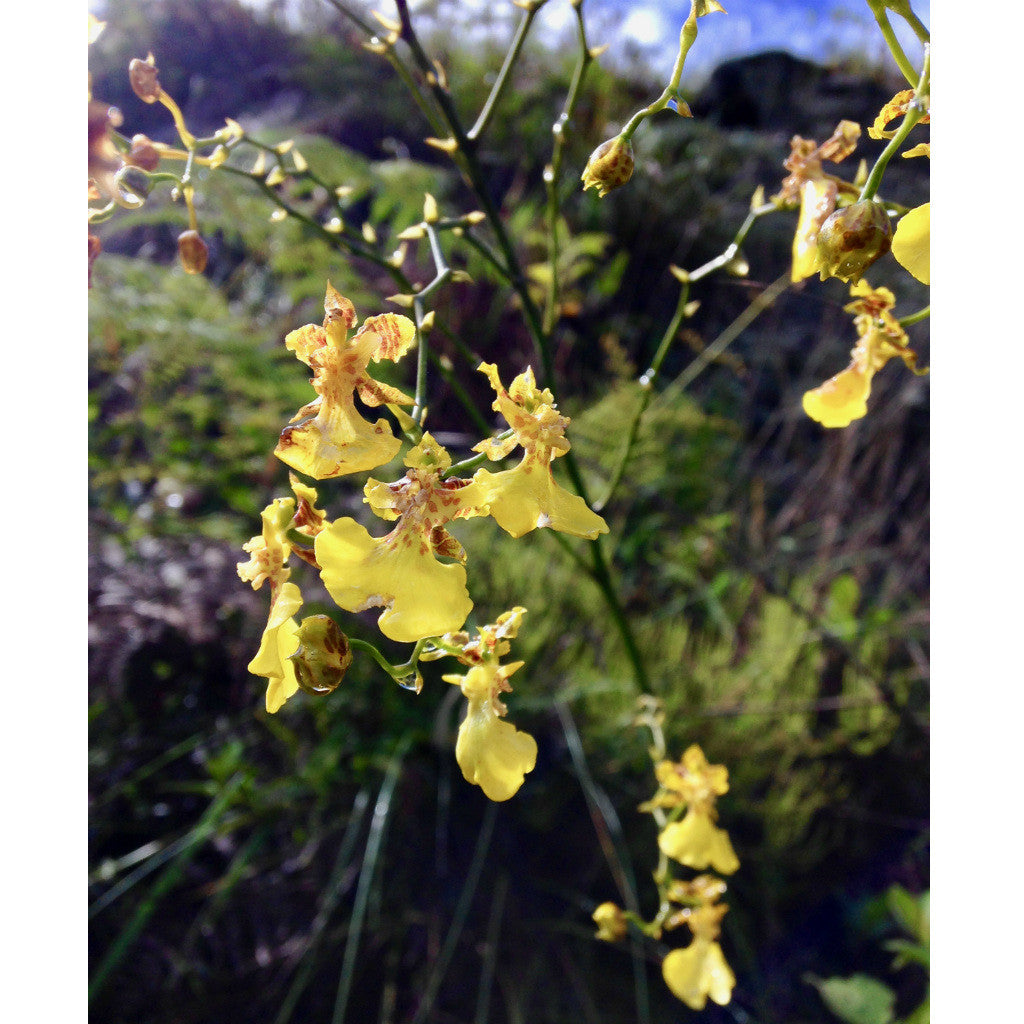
859 999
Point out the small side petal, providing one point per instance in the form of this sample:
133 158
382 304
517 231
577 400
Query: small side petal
527 497
280 641
911 244
817 201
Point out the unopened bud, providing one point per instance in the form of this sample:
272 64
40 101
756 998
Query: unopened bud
133 184
323 656
609 166
193 252
610 921
852 238
143 153
143 77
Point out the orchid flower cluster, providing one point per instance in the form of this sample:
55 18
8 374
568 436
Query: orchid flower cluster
684 810
843 226
416 572
843 229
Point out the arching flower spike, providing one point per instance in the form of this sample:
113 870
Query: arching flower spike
329 437
527 497
695 841
268 559
400 572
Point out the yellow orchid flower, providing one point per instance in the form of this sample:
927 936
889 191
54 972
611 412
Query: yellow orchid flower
610 921
817 203
896 107
700 970
695 841
491 752
843 398
268 557
911 244
698 843
329 437
421 596
280 641
527 497
697 972
692 780
818 192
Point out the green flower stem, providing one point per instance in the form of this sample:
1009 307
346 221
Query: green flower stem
443 367
646 383
726 338
915 318
423 100
732 250
397 672
912 116
488 254
99 214
503 75
920 30
441 275
333 238
477 460
647 379
602 577
904 64
598 571
687 37
553 172
471 168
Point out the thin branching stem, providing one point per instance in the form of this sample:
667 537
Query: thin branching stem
553 172
522 30
914 114
687 37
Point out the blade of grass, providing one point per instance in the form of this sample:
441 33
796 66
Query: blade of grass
329 900
157 857
483 997
374 842
225 887
440 968
195 839
610 835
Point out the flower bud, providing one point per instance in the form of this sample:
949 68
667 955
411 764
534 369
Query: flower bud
610 921
323 655
192 251
135 182
609 166
143 77
852 238
143 153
